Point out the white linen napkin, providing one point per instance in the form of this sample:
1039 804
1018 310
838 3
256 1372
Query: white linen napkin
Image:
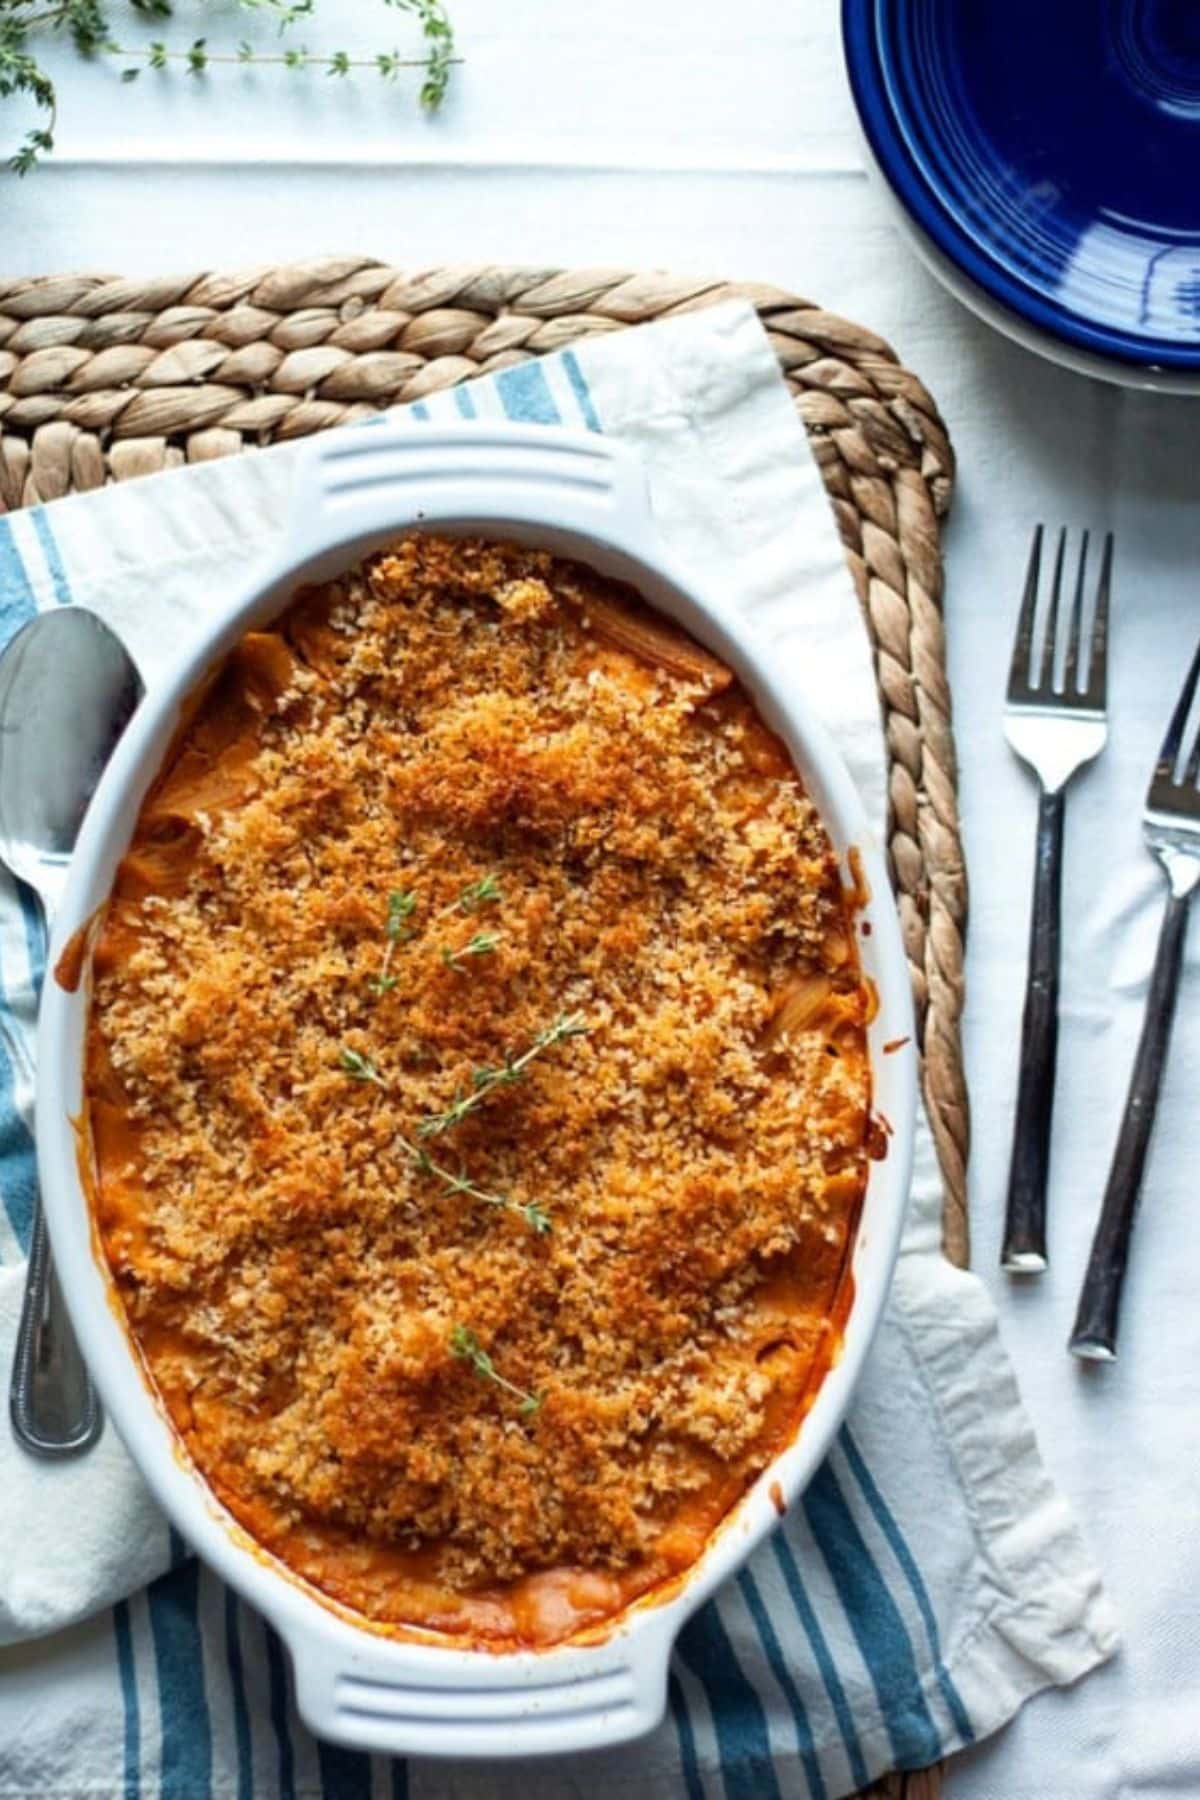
932 1578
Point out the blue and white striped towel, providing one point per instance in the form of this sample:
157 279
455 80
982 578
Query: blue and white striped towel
930 1580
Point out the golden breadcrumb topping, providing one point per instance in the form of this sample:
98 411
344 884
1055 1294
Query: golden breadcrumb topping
478 1086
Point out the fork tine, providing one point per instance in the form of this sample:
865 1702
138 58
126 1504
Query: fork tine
1075 625
1049 641
1096 682
1018 676
1192 767
1164 769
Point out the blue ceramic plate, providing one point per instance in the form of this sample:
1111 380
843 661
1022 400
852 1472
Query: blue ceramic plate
1049 152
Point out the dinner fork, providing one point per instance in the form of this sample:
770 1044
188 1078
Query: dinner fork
1056 723
1171 823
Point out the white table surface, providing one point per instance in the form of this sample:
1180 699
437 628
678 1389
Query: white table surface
692 135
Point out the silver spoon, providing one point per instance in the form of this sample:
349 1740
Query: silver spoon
68 687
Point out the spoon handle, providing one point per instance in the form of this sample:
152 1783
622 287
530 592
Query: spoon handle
53 1404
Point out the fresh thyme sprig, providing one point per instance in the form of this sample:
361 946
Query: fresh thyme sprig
438 33
482 944
86 23
284 12
198 58
401 906
484 892
535 1216
20 73
362 1068
485 1080
470 899
466 1346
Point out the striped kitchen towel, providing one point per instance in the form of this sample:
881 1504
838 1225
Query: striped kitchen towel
930 1579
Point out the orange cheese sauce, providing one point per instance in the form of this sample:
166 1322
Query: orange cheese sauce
478 1094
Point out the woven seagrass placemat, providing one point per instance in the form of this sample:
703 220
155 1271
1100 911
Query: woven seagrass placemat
104 379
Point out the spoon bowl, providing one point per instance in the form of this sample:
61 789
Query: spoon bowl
68 688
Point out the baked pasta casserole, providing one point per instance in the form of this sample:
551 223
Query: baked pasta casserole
477 1093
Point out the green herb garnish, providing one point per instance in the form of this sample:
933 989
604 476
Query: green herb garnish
401 906
362 1068
482 944
537 1219
86 24
466 1346
485 892
359 1068
485 1081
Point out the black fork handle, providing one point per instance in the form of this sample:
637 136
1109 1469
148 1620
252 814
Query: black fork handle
1024 1249
1095 1334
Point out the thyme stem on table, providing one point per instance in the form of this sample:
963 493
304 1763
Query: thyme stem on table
198 57
87 24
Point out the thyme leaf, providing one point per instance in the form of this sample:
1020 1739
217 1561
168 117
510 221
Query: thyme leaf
359 1068
484 892
401 906
483 943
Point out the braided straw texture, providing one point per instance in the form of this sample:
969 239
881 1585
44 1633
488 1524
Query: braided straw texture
102 379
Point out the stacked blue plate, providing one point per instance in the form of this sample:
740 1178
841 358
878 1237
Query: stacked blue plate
1046 157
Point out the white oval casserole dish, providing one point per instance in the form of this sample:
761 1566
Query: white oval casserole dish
580 497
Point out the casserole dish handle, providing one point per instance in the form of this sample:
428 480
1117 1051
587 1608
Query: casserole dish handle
410 1699
364 483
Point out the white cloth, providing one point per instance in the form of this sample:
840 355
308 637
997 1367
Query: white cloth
955 1556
